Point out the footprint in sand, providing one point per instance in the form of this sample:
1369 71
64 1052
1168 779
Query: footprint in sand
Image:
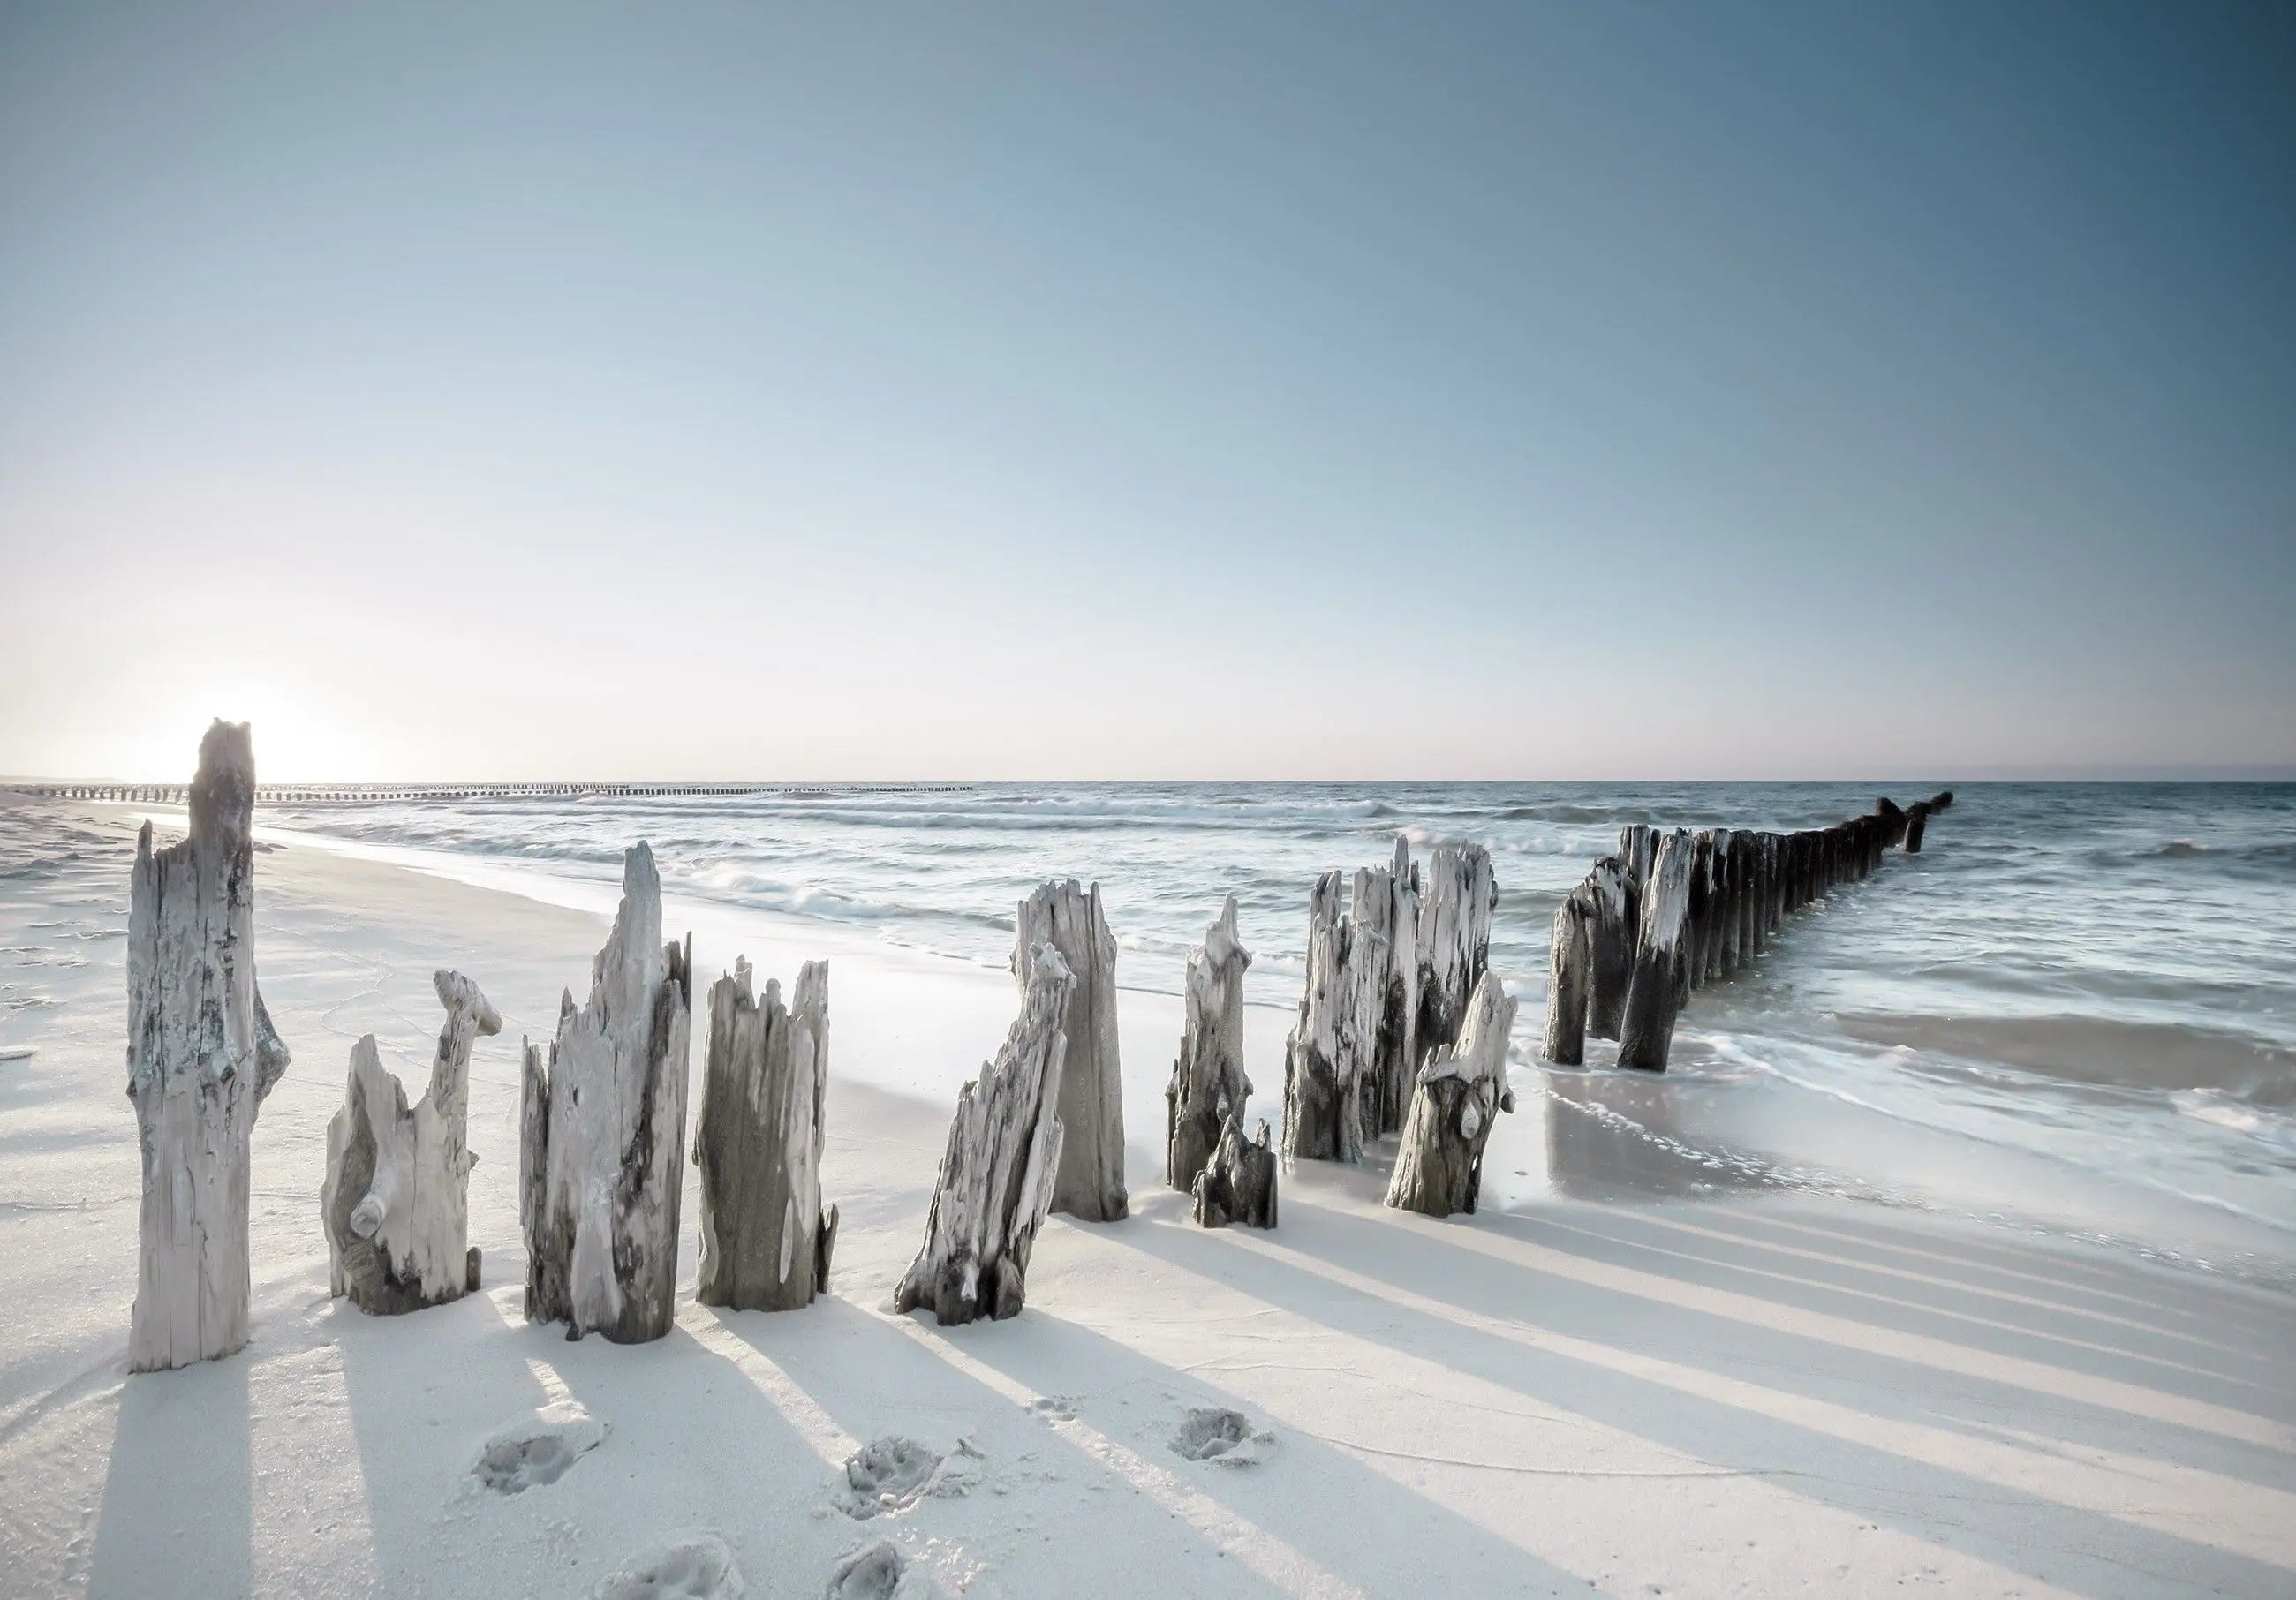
880 1572
1214 1433
538 1450
1055 1408
696 1565
892 1473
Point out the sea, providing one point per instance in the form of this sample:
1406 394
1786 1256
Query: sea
2073 1013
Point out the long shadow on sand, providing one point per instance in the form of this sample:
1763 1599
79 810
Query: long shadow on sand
177 1516
1661 1305
1103 1436
2079 1549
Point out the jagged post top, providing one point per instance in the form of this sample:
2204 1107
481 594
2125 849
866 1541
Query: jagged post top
222 801
460 995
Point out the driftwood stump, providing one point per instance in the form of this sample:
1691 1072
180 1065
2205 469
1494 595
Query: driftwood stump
201 1057
1327 1060
1385 908
395 1205
1208 1086
1567 972
765 1239
1068 918
602 1143
1439 1166
1609 946
1661 979
995 1181
1917 820
1238 1183
1455 939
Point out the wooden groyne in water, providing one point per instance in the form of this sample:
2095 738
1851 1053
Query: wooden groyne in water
1671 912
306 794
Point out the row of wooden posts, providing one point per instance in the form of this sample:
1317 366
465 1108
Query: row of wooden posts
1671 912
1403 1029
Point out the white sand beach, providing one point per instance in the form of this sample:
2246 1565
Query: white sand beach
1631 1394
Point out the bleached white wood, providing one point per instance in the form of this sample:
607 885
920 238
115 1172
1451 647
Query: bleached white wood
603 1132
395 1201
1068 917
1438 1164
1329 1056
1456 900
995 1187
1208 1084
766 1240
201 1057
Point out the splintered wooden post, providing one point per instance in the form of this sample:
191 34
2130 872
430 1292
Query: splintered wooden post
1208 1086
1328 1057
395 1202
201 1057
765 1238
1637 849
1696 922
1745 897
1660 981
1238 1183
995 1187
1893 820
1455 939
1568 960
1438 1165
1611 948
1917 821
1090 1185
1386 907
601 1145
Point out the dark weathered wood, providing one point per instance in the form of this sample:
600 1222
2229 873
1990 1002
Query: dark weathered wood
1568 964
995 1187
1438 1164
1611 948
1238 1183
602 1141
1328 1058
765 1238
1208 1086
1917 818
1662 956
1386 906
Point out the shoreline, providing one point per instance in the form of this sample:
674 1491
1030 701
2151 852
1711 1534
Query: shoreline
1773 1394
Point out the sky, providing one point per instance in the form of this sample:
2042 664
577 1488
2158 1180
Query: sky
1174 391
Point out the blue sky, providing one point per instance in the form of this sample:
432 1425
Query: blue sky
1190 391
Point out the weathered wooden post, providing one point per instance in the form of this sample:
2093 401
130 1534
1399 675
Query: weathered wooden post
1917 819
601 1145
1567 961
1439 1166
995 1187
765 1238
1455 939
1695 929
1745 853
1386 906
1611 948
201 1057
395 1201
1208 1086
1660 981
1238 1183
1328 1057
1064 916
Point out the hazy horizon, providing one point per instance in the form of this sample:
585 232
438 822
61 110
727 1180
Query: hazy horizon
1228 392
